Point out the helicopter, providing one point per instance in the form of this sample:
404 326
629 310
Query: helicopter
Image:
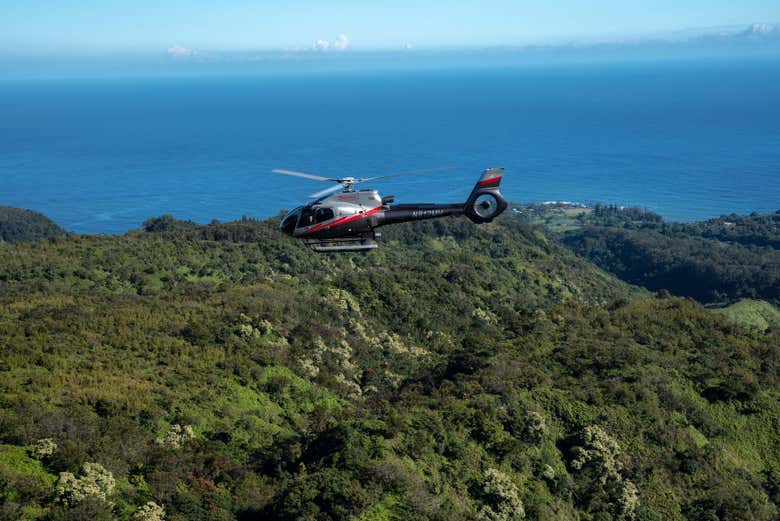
343 219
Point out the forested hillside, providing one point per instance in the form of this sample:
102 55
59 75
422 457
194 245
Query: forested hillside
459 372
707 270
718 261
17 225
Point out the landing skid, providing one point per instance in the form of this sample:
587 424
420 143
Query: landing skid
342 245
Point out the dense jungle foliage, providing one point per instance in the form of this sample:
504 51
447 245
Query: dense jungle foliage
749 230
708 270
191 372
17 225
717 261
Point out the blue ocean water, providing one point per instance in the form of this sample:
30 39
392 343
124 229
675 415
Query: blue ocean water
689 140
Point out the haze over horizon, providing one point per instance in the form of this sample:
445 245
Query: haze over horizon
72 28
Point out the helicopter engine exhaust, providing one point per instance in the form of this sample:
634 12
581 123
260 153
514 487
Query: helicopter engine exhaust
485 202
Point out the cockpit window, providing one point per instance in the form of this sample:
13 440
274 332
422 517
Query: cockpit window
289 222
307 218
323 214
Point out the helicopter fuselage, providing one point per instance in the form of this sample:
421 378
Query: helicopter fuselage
354 215
351 214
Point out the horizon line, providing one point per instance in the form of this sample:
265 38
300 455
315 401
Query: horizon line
183 51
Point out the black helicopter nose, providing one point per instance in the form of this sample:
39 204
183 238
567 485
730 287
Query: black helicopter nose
288 223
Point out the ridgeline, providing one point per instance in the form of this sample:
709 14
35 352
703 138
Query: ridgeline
19 225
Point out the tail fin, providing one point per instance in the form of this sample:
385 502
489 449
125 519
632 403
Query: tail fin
485 202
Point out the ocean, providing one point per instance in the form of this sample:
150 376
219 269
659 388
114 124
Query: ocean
689 140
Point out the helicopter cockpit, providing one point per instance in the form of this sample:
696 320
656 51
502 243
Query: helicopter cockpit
290 220
305 216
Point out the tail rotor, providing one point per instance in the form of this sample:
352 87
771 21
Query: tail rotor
486 202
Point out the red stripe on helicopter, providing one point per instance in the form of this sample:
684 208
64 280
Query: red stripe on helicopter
342 220
486 182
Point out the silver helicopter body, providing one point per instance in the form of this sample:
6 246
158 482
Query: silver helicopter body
347 220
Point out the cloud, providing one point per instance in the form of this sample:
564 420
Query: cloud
339 44
177 51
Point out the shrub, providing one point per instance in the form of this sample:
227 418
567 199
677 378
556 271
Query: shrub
151 511
95 483
599 452
502 499
44 448
600 474
176 436
535 427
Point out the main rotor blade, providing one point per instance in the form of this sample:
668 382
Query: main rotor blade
327 191
301 174
411 172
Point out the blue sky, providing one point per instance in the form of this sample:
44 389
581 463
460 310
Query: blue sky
98 27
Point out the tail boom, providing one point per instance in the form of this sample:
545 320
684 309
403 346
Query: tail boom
484 204
399 213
